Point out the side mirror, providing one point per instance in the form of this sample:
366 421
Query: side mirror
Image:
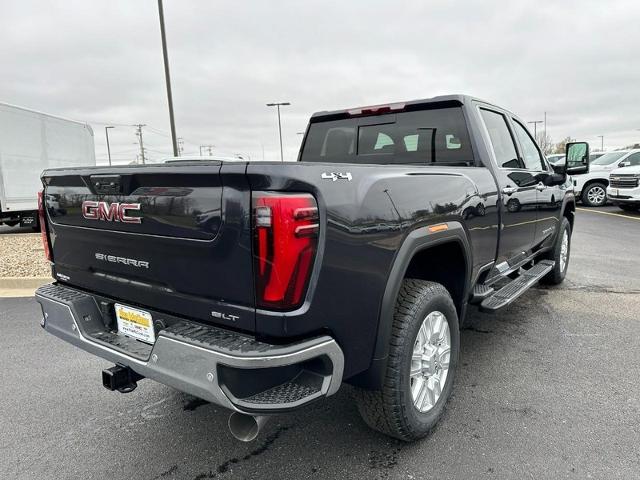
577 158
626 163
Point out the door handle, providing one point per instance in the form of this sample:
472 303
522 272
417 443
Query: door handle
509 190
540 187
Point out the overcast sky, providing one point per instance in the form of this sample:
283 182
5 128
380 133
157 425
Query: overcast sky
101 62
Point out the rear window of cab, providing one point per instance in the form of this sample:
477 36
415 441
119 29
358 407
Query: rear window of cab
424 137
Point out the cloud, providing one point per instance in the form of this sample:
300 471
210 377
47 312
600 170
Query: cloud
101 62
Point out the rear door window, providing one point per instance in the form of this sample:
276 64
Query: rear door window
437 136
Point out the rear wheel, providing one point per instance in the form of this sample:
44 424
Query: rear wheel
423 357
559 254
595 194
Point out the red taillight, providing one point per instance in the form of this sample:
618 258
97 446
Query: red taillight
43 226
285 240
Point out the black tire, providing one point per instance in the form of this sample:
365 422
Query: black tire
629 208
391 410
556 276
590 188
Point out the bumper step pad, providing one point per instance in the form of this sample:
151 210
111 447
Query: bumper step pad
517 287
287 393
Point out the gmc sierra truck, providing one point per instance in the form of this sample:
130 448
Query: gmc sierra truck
263 286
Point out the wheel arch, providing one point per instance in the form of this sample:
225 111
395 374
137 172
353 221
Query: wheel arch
591 181
419 245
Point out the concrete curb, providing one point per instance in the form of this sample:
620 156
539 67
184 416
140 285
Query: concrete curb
21 286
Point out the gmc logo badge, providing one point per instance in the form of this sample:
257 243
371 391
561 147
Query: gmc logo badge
114 212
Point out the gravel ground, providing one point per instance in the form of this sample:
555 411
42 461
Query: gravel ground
22 255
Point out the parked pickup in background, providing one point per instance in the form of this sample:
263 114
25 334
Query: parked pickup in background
263 286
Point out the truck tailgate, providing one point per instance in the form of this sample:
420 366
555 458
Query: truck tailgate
175 237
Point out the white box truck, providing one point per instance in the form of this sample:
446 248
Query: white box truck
31 142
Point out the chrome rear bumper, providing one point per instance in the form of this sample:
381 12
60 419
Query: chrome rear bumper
220 366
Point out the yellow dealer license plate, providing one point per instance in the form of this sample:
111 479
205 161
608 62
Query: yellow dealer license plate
135 323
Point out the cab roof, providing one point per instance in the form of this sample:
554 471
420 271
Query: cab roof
441 101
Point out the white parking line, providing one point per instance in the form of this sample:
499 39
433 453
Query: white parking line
608 213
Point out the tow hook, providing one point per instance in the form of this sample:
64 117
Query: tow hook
119 378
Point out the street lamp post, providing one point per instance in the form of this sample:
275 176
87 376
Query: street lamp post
535 128
601 137
106 133
278 105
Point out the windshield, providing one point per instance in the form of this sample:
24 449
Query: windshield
437 136
608 158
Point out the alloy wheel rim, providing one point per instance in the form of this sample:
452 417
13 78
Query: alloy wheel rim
564 251
430 361
596 195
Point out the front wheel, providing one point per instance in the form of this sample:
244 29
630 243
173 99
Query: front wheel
595 195
423 356
560 254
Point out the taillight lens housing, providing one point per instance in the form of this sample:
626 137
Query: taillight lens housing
285 228
43 226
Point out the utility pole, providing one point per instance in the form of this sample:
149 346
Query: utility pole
106 132
601 137
546 147
180 146
535 128
208 148
278 105
139 135
167 78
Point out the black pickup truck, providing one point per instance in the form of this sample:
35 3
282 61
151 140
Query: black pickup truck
263 286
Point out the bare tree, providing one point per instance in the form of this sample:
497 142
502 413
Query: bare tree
630 147
544 142
561 146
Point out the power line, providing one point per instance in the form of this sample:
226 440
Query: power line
162 133
158 131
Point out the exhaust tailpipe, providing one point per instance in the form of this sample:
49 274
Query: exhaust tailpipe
246 427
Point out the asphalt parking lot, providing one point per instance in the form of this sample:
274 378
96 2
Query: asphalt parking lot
548 388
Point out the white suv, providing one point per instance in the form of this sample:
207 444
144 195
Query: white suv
591 187
624 185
